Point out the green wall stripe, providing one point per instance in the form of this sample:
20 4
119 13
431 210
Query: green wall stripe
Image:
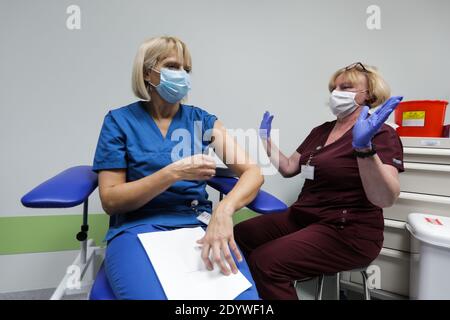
47 233
243 214
30 234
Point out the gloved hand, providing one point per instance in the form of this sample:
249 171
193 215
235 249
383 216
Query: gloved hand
366 127
266 126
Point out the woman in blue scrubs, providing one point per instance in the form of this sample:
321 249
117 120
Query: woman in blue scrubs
153 163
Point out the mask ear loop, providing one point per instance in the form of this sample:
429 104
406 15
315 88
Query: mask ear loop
150 85
356 103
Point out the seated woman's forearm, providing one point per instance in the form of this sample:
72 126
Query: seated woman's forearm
277 158
244 191
126 197
130 196
381 186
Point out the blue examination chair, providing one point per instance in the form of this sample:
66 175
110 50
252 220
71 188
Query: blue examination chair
72 187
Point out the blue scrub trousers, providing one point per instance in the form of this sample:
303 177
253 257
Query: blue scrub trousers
131 274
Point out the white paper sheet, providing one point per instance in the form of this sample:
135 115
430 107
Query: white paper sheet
175 256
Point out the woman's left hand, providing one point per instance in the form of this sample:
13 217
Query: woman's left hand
219 239
366 127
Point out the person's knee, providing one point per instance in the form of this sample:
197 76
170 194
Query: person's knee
264 264
128 287
129 272
274 265
241 233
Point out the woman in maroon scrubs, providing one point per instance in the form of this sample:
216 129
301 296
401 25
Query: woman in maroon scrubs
351 167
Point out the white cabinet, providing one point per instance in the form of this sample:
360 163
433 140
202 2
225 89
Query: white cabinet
426 178
416 202
396 237
393 266
425 187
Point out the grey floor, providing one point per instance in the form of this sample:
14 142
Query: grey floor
45 294
42 294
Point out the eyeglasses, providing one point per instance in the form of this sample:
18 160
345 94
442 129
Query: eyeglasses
357 65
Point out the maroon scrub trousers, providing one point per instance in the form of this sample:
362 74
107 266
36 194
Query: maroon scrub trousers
332 226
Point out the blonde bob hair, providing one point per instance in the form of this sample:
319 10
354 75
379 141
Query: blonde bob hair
378 88
149 54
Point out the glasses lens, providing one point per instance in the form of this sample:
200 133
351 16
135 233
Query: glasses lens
357 65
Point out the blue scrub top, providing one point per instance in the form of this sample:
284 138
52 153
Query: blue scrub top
131 140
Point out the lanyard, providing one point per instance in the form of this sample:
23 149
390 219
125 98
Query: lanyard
311 156
307 170
309 160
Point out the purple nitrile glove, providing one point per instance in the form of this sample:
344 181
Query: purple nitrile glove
266 126
366 127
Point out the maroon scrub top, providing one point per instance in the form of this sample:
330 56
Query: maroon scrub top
336 195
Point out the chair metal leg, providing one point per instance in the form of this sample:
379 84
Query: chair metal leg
82 236
319 289
338 285
365 285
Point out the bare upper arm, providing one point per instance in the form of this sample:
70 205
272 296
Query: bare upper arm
229 151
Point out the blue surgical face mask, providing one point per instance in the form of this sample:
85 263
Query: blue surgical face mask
173 84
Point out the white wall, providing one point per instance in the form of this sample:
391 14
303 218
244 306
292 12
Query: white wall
34 271
56 85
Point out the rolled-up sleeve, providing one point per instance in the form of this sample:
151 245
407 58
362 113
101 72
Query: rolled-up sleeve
208 121
110 152
389 147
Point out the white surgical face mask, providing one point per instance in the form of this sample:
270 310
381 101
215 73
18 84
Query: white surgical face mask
343 103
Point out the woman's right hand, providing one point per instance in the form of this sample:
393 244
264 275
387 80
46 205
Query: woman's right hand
197 167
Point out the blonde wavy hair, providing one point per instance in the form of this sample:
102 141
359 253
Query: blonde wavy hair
378 88
150 52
